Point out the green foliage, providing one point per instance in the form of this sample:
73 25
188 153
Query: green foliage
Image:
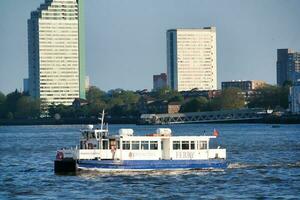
270 97
11 101
95 95
195 105
231 98
27 107
120 103
2 105
168 94
123 103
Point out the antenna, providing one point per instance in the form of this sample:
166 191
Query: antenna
102 119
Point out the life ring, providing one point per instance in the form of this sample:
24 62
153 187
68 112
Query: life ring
59 155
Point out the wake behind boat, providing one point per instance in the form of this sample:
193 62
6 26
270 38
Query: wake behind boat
126 151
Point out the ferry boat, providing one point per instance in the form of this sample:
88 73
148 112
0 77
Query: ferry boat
126 151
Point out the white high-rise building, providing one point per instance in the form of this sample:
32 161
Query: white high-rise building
56 52
192 59
294 98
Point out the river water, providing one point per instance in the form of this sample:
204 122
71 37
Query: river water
264 164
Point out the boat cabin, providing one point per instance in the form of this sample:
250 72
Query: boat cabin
161 145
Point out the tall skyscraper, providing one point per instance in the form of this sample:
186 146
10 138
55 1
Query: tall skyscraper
288 66
192 59
56 52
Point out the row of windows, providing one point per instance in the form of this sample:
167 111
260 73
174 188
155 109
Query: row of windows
137 145
153 145
189 145
65 18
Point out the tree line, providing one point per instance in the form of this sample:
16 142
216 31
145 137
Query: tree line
124 103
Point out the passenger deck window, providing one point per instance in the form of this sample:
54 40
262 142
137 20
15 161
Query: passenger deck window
185 145
153 145
104 144
126 145
176 145
145 145
135 145
192 144
202 144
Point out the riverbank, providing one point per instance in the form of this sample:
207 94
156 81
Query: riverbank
51 121
270 119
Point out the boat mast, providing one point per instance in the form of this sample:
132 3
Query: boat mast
102 119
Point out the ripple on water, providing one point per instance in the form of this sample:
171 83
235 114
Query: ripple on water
264 163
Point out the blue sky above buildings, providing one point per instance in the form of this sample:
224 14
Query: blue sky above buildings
126 39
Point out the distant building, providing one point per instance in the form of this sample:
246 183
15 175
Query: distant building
159 81
87 83
77 103
25 85
294 98
243 85
288 66
192 59
209 94
173 107
163 107
56 52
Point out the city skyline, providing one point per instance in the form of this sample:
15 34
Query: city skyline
126 42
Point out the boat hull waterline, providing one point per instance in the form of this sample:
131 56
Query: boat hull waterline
146 165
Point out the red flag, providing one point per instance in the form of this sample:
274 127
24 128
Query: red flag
216 133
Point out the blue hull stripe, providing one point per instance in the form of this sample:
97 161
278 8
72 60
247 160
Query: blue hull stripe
154 164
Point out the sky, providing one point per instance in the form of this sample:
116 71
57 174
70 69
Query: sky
126 39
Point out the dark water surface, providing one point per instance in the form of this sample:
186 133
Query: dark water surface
264 164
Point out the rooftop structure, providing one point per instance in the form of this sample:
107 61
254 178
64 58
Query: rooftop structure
243 85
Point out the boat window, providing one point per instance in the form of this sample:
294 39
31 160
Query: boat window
162 145
185 145
135 145
118 144
176 145
91 135
192 144
202 144
126 145
85 135
145 145
104 144
153 145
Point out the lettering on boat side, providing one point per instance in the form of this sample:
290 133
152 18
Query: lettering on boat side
140 154
185 154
